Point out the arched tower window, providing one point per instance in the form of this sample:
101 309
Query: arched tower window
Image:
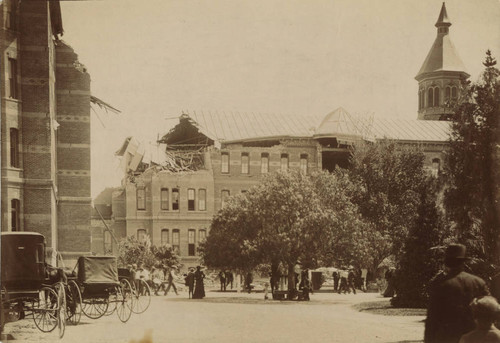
420 99
447 94
436 97
430 97
454 93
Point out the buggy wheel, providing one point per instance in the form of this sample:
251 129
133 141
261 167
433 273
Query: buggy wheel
112 305
61 314
45 310
142 297
123 303
95 308
73 303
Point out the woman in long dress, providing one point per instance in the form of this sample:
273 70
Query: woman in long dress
199 288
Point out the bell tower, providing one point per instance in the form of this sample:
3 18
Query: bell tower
440 74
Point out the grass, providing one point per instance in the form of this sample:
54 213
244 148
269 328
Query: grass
384 307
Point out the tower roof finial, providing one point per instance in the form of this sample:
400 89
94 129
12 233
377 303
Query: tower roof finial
443 17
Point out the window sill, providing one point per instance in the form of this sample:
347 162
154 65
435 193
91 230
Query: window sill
19 101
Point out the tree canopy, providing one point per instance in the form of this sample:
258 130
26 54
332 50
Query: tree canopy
472 168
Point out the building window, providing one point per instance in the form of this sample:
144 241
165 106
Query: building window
15 214
164 238
13 78
436 166
225 163
191 246
190 199
164 199
264 163
284 162
141 235
244 163
447 94
420 99
202 235
175 199
108 248
14 147
224 197
436 97
176 240
430 97
303 163
454 94
202 200
141 198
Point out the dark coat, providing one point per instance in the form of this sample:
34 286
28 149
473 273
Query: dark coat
448 314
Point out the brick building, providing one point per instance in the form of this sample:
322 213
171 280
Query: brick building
208 157
45 123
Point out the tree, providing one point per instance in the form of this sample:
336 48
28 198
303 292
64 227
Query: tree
132 251
421 258
388 178
288 217
472 168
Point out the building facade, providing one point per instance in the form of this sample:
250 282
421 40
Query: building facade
45 123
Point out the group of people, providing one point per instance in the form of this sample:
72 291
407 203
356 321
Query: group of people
461 309
344 280
194 280
226 278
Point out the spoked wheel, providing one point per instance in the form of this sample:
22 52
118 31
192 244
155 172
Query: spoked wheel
45 310
73 303
112 305
95 308
123 303
61 314
142 297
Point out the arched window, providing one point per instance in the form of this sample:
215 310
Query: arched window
454 93
447 94
430 97
419 99
15 215
141 235
436 97
165 238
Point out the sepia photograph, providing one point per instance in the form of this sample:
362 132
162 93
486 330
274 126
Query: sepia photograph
250 171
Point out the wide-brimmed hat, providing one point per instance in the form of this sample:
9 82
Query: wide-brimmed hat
455 252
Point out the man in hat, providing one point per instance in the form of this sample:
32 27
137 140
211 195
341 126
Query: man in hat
170 280
485 311
450 293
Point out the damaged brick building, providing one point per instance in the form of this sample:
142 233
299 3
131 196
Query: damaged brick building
45 123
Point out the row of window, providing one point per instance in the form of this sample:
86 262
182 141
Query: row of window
433 96
176 238
264 163
169 201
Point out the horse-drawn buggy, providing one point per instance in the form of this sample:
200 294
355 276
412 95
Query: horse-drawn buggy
101 291
30 287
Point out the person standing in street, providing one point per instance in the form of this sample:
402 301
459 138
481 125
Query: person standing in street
170 280
485 310
189 281
336 278
199 288
450 293
222 279
229 278
350 280
343 281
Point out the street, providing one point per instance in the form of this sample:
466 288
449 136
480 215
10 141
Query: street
240 317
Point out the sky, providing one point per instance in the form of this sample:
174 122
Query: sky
152 59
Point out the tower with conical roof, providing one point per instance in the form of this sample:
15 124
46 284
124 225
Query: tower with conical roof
440 75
